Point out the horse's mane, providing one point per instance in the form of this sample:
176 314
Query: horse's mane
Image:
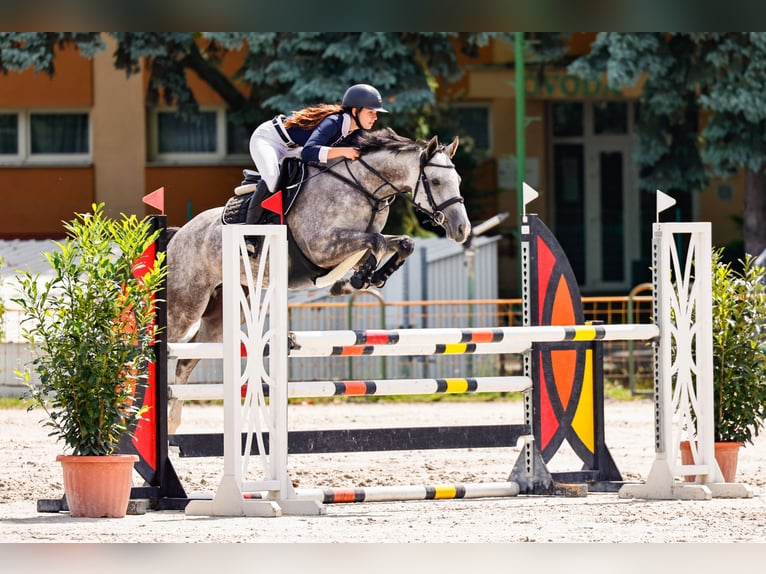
384 139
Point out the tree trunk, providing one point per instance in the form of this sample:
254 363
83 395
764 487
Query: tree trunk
754 220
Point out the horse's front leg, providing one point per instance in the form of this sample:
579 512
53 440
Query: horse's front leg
367 271
402 247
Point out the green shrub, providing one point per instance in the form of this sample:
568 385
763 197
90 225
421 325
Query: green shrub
92 329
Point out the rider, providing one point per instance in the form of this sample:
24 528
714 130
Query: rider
311 134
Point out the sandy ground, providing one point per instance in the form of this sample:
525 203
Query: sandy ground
28 472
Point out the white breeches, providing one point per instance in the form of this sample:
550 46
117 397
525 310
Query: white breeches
268 150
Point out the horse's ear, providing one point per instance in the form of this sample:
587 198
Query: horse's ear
431 146
452 148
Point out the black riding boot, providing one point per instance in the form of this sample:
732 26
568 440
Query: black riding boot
254 214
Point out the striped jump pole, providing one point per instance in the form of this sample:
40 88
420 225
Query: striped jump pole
315 389
317 340
215 350
405 492
403 342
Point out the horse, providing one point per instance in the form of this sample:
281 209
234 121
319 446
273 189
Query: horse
336 218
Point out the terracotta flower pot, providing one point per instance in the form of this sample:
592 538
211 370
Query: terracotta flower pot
98 486
726 455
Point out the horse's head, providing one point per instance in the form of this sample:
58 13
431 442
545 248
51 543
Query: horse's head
437 191
428 174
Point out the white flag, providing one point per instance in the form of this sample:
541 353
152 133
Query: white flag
664 201
530 194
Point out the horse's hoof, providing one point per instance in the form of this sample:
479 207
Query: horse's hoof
358 283
340 288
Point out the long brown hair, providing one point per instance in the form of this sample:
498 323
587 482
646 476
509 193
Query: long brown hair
309 118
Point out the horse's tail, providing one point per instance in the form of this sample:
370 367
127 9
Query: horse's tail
171 231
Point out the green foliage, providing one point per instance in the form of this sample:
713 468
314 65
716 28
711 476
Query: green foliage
668 155
687 73
739 349
281 72
13 403
702 110
92 328
35 50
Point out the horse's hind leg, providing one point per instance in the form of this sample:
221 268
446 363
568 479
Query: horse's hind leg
210 331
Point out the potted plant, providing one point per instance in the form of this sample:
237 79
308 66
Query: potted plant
739 358
92 328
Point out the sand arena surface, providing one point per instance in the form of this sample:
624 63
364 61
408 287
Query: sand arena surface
28 472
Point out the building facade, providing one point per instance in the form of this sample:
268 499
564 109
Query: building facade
87 135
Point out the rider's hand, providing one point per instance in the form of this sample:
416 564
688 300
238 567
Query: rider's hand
341 151
351 152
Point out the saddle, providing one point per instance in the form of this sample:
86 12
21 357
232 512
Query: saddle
291 178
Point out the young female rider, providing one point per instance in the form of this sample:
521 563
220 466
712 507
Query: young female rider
311 134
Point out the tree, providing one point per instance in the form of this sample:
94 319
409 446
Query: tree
281 71
702 110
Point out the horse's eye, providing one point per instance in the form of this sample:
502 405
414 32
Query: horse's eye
436 181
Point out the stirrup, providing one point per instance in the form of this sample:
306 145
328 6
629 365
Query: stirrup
253 246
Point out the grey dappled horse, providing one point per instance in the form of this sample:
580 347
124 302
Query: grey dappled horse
338 214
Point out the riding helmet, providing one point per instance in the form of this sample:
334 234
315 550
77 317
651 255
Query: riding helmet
363 96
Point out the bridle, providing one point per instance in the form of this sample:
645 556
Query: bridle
436 215
435 212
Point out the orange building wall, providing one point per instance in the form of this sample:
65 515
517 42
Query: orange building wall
204 186
36 201
70 86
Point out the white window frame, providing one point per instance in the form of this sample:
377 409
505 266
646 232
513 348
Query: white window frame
25 155
217 156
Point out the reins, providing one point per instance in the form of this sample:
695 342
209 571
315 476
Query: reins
436 215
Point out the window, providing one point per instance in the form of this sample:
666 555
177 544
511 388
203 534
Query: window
567 119
474 122
9 134
58 134
175 135
610 118
35 136
208 137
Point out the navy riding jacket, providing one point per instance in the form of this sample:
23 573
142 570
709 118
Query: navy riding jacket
316 142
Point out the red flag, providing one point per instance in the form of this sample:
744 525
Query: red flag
274 203
156 199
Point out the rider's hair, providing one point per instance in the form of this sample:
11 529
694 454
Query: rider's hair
309 118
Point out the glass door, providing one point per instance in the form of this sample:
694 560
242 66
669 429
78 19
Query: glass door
596 208
612 216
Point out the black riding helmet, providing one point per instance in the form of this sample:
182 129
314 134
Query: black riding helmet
363 96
